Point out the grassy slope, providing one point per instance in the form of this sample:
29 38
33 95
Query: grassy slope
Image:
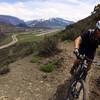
75 29
6 39
28 38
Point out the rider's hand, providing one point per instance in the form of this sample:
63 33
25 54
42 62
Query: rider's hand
76 51
78 55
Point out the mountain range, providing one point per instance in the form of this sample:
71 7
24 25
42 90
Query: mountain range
41 23
50 23
12 20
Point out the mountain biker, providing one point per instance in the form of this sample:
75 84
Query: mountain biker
86 44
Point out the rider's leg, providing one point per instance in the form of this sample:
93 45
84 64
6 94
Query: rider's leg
88 68
75 65
90 56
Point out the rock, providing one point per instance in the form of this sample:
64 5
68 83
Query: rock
44 76
4 70
3 98
18 98
41 81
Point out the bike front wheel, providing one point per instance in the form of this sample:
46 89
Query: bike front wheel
76 90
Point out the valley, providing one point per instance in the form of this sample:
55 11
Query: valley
36 57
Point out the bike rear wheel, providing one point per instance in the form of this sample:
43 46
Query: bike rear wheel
77 90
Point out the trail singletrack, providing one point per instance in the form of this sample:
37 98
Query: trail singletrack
14 40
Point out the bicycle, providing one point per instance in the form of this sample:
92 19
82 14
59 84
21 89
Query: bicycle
77 84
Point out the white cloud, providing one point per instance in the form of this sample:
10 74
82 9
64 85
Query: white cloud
18 10
32 9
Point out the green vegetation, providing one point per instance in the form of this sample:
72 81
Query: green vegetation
47 68
67 41
12 53
27 32
72 31
35 59
53 33
29 38
28 44
48 46
44 44
5 40
7 28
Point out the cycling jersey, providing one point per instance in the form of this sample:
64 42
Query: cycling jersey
89 44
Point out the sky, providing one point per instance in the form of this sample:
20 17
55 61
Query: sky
26 10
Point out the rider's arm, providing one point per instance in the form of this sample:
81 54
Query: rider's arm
77 42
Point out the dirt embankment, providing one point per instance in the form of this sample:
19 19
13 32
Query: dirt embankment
95 82
26 82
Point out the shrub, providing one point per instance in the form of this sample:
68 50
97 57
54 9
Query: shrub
47 68
48 46
67 41
35 59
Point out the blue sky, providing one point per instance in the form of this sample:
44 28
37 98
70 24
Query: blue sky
73 10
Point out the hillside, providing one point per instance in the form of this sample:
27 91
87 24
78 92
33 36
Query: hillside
12 20
10 24
7 29
26 81
75 29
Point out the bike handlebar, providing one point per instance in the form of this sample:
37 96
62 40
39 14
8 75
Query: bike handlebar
82 57
79 56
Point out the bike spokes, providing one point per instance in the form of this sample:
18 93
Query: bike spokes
76 91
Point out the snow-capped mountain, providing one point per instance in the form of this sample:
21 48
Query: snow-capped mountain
50 23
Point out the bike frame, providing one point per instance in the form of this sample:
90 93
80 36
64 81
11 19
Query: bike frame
79 77
81 70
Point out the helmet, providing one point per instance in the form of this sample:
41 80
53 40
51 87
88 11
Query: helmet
98 24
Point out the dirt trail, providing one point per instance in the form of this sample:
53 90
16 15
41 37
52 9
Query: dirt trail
47 32
14 40
26 82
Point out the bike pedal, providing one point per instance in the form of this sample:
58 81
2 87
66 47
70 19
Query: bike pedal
75 94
